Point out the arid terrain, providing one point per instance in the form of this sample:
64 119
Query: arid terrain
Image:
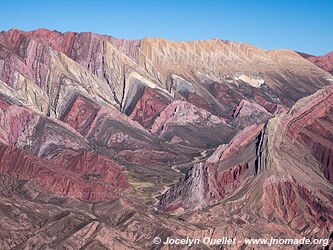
107 143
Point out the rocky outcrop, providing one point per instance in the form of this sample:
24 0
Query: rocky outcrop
248 113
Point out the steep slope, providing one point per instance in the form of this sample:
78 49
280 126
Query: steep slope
36 147
80 144
279 174
214 74
52 76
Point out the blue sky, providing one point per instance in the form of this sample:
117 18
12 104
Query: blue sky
302 25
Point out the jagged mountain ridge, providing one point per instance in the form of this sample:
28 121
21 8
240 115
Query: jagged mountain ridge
174 68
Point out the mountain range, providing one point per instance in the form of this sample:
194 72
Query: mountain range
106 143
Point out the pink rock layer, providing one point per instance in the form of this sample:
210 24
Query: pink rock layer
81 175
325 62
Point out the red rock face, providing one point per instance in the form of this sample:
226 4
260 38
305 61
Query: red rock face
94 167
148 108
56 40
85 176
229 178
81 114
20 53
14 120
284 198
313 129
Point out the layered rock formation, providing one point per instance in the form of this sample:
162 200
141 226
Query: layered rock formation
280 172
183 123
214 74
106 143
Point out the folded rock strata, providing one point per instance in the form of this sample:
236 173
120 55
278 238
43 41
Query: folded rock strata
106 143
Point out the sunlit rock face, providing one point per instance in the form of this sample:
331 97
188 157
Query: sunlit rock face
106 143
